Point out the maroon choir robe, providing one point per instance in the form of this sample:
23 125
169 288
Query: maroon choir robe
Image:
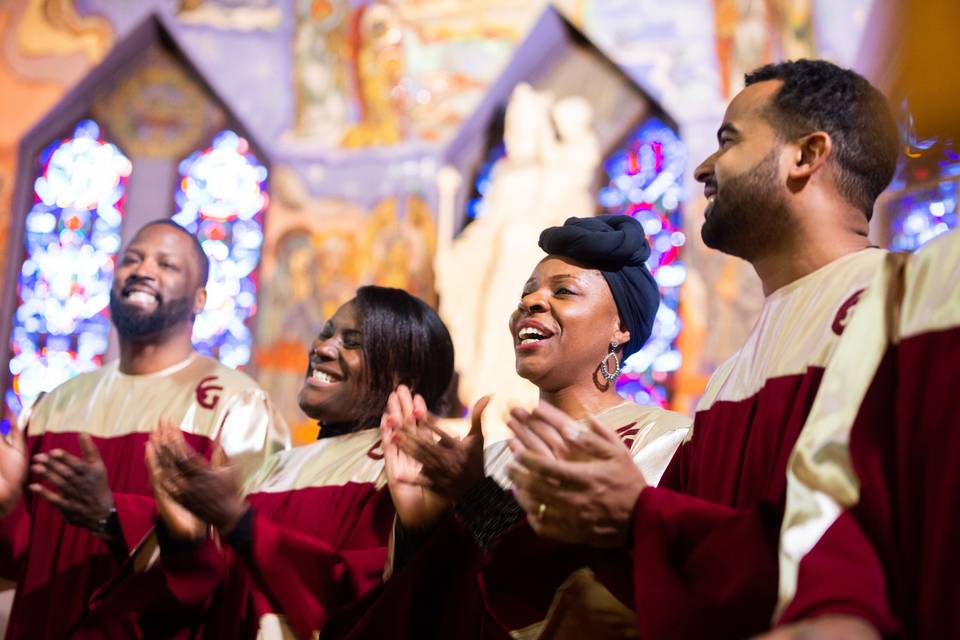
872 524
705 539
313 542
57 566
517 585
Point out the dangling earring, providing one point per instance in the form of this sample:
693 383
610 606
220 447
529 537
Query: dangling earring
604 371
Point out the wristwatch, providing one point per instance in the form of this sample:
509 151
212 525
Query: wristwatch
105 524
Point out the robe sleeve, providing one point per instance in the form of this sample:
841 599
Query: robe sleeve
842 574
304 577
136 514
700 566
14 537
173 594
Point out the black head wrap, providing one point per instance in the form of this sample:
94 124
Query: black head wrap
617 246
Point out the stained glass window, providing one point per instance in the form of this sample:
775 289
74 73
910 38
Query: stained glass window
221 198
72 236
476 204
924 200
645 180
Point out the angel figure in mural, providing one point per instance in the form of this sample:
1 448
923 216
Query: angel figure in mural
551 158
320 81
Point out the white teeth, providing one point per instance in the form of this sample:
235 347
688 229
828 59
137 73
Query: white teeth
529 332
529 340
323 377
142 297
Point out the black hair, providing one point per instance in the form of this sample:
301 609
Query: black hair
820 96
203 262
404 342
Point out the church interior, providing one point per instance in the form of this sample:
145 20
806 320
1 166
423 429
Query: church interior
351 142
316 146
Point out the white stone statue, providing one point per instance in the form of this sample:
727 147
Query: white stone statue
551 158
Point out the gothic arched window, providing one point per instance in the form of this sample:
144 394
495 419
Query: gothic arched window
221 197
72 235
645 180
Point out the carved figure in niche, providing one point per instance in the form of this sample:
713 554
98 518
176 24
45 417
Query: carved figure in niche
551 158
320 83
379 69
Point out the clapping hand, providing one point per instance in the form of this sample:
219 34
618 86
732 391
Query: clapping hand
77 487
576 485
210 491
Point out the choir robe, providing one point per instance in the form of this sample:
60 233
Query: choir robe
315 541
704 541
57 564
871 526
520 585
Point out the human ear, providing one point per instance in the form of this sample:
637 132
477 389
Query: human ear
812 151
199 300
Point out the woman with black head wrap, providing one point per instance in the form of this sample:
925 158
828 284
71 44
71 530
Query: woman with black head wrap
586 307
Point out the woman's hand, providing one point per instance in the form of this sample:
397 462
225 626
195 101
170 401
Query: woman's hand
417 506
449 466
211 492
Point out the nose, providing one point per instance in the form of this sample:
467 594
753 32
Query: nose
533 302
326 348
143 270
704 172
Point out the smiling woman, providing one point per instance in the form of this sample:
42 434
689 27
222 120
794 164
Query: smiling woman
586 307
310 536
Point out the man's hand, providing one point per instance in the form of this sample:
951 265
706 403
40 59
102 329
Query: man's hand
77 487
211 493
587 498
177 519
13 469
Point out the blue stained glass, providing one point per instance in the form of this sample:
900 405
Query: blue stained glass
222 197
72 235
923 214
483 180
645 180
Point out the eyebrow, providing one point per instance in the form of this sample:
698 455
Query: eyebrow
726 128
564 276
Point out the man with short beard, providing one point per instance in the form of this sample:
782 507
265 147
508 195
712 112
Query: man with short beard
804 151
89 501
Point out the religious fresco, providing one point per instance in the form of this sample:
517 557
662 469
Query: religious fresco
159 110
753 32
384 72
239 15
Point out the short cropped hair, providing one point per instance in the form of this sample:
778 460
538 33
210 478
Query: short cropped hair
203 262
820 96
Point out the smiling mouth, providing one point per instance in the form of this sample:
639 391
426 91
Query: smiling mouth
319 378
531 337
140 298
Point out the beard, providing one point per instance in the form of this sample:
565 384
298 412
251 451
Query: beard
749 214
132 322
